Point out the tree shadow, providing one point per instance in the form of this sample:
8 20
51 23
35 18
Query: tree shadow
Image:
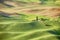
55 32
1 1
3 14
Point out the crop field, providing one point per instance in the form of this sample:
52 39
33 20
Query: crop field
30 20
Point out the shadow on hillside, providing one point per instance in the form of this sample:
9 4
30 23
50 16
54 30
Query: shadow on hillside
8 5
2 2
56 32
3 14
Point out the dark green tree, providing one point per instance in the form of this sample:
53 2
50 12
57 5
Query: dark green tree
37 18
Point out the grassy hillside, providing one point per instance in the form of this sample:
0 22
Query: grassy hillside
29 20
44 29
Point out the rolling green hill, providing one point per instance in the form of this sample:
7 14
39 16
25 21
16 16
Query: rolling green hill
25 26
43 29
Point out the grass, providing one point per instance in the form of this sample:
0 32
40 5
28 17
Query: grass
43 29
26 27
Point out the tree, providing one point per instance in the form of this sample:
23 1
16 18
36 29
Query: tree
36 18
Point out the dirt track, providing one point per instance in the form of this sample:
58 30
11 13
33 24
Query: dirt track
41 10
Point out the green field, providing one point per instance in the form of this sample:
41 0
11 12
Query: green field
26 26
24 29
